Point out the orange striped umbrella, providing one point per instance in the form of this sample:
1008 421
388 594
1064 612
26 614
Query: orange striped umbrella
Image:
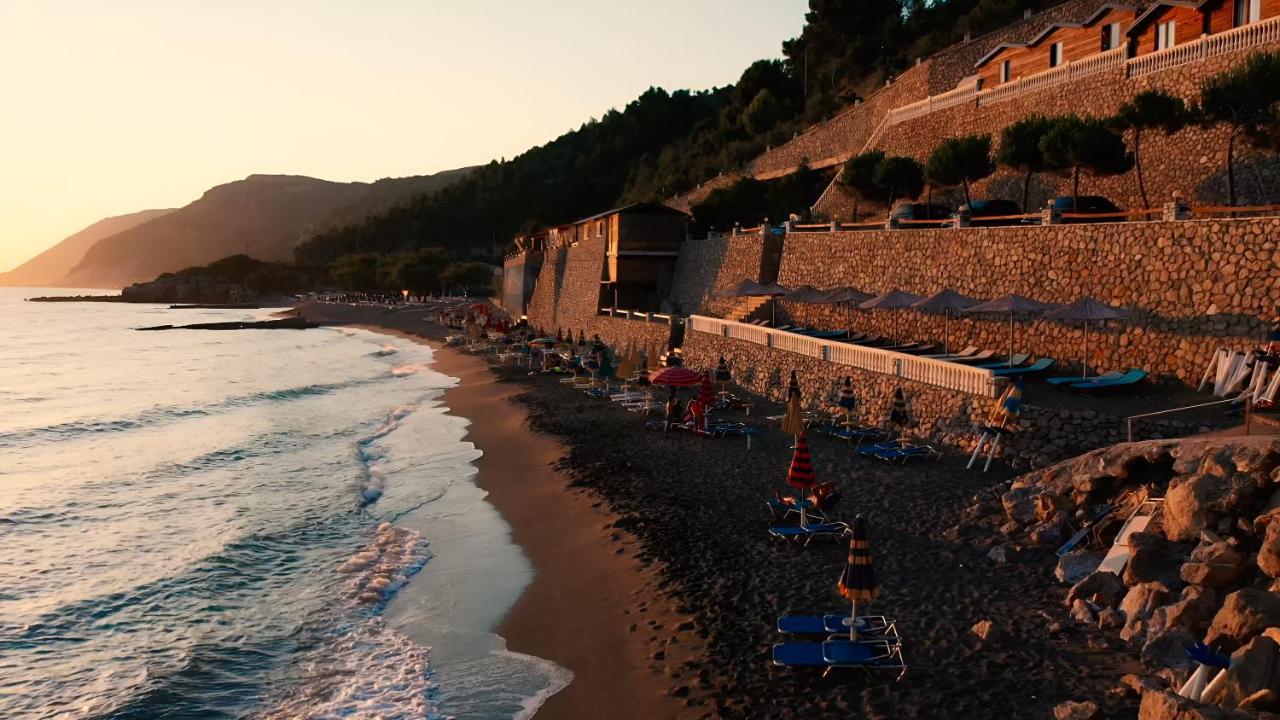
858 581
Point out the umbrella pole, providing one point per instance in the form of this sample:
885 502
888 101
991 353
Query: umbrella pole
991 454
1011 339
1084 361
946 331
982 440
853 620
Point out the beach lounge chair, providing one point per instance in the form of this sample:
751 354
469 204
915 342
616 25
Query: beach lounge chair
1058 381
1129 379
855 435
967 352
829 624
1141 518
1015 361
1040 365
984 355
869 655
804 534
906 452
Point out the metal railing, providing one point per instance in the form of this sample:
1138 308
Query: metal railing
1248 411
1227 41
929 371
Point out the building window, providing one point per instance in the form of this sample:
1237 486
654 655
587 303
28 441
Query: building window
1166 35
1055 54
1110 36
1004 71
1247 11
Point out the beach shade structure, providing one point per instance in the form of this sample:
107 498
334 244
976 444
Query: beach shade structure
793 420
773 292
1004 418
559 335
706 395
847 401
1011 304
899 418
793 386
746 288
582 338
627 367
674 378
892 300
808 294
800 474
1086 310
849 297
858 581
722 375
945 301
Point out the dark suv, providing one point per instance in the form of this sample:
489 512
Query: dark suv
998 210
937 215
1084 205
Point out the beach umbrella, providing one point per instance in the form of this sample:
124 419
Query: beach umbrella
793 386
628 365
892 300
848 297
673 378
746 288
1003 418
899 418
945 301
800 474
847 400
582 338
773 292
808 294
706 395
559 335
722 375
642 377
858 581
1011 304
1088 310
793 420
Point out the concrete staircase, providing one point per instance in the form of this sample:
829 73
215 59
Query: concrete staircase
748 308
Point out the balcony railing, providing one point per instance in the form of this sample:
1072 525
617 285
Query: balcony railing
1108 60
1227 41
965 92
939 373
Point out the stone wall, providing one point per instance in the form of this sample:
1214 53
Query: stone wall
943 416
709 265
1194 286
546 291
621 333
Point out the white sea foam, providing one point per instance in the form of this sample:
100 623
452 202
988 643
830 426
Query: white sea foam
558 678
385 351
388 562
408 369
372 455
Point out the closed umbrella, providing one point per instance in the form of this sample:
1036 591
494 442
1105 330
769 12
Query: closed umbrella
1010 304
858 581
800 474
1003 418
706 395
1088 310
899 418
945 301
892 300
847 400
723 376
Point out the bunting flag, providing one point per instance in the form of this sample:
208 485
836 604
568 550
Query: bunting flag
800 474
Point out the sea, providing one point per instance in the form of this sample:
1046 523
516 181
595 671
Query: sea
243 524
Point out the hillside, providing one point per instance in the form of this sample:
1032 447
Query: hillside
265 216
51 266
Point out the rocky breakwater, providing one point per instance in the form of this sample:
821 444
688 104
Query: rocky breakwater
1207 568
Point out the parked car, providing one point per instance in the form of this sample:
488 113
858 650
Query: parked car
999 210
916 212
1084 205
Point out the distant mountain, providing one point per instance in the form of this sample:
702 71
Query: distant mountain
264 216
51 266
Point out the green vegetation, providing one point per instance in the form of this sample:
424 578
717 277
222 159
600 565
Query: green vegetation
258 276
748 201
1075 145
859 175
1150 110
422 272
901 178
1246 99
1020 150
960 161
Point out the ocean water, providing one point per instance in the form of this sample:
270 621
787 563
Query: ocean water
245 524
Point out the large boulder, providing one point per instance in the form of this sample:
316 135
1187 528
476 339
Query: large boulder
1169 705
1077 711
1196 502
1138 605
1168 650
1075 567
1152 558
1019 505
1269 553
1192 612
1216 563
1245 613
1103 589
1254 667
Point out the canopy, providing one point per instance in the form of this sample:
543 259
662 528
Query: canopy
848 295
677 376
745 288
858 581
890 301
800 474
808 294
1087 309
774 290
944 300
1010 304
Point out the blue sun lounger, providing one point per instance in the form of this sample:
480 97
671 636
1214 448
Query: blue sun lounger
1017 361
871 450
805 533
906 452
829 624
1039 366
868 655
851 434
1075 379
1130 378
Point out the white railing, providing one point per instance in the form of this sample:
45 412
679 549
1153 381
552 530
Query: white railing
1227 41
939 373
956 96
1108 60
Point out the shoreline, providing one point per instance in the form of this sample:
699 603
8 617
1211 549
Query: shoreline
569 537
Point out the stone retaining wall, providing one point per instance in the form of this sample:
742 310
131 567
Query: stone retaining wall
943 416
709 265
1194 286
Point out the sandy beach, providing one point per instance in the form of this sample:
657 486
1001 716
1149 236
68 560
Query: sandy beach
628 521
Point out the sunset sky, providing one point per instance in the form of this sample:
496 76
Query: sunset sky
113 107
